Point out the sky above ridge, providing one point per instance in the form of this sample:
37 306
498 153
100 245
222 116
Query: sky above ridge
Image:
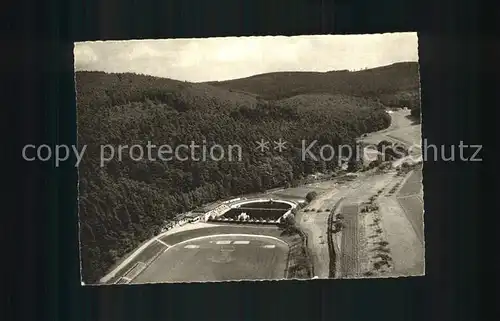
215 59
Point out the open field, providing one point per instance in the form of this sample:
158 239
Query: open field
402 131
414 209
313 219
293 196
295 193
413 185
406 249
410 135
387 244
401 233
219 258
350 247
315 225
152 264
410 196
406 133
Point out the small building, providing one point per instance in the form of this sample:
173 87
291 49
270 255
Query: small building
192 217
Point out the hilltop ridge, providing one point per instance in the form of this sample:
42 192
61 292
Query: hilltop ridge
377 83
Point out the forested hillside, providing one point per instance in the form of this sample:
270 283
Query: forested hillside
396 85
126 201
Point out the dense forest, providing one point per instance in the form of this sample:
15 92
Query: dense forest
127 201
396 85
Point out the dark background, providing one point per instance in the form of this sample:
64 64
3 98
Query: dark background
42 281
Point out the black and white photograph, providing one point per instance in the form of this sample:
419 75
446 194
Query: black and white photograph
249 159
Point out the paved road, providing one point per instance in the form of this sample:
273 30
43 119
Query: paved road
219 258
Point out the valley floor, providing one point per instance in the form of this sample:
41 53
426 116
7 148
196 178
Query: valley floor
387 240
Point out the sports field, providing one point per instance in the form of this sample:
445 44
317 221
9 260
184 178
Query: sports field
228 257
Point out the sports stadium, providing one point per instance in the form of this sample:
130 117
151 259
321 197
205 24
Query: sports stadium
239 239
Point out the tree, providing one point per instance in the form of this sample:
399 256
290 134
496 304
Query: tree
374 163
400 151
311 195
354 165
383 145
289 219
415 112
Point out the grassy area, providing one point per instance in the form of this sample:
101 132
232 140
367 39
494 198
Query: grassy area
410 188
414 210
144 256
299 263
299 259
